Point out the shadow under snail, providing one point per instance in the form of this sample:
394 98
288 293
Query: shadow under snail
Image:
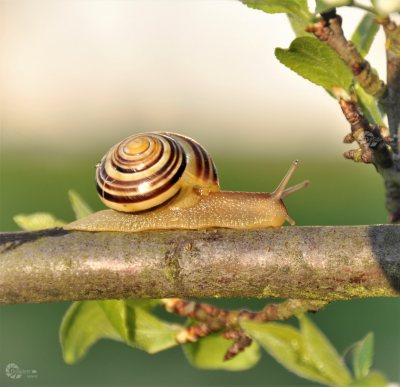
163 180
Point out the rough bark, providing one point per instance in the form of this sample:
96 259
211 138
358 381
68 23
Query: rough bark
322 263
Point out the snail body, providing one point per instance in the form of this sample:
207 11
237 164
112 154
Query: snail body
162 180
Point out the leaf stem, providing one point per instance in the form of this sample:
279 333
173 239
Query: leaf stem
365 8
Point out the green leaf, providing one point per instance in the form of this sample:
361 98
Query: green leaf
123 315
296 10
83 324
285 344
86 322
37 221
294 7
117 314
149 333
323 354
369 105
374 379
362 356
365 33
80 207
315 61
209 351
327 5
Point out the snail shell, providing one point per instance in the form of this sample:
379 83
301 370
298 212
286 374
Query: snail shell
148 171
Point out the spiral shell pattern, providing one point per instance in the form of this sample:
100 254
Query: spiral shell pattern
150 170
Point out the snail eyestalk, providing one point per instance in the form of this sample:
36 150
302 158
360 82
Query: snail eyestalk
281 191
295 188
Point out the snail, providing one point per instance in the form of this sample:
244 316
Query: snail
163 180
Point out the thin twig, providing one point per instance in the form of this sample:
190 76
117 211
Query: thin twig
240 342
372 145
329 30
212 319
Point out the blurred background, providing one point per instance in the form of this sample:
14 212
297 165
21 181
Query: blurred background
78 76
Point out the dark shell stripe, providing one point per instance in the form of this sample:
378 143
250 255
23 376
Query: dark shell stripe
215 174
157 206
209 170
205 167
197 156
206 163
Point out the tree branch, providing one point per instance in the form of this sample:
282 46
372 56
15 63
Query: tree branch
322 263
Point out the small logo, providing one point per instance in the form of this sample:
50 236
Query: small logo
13 371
